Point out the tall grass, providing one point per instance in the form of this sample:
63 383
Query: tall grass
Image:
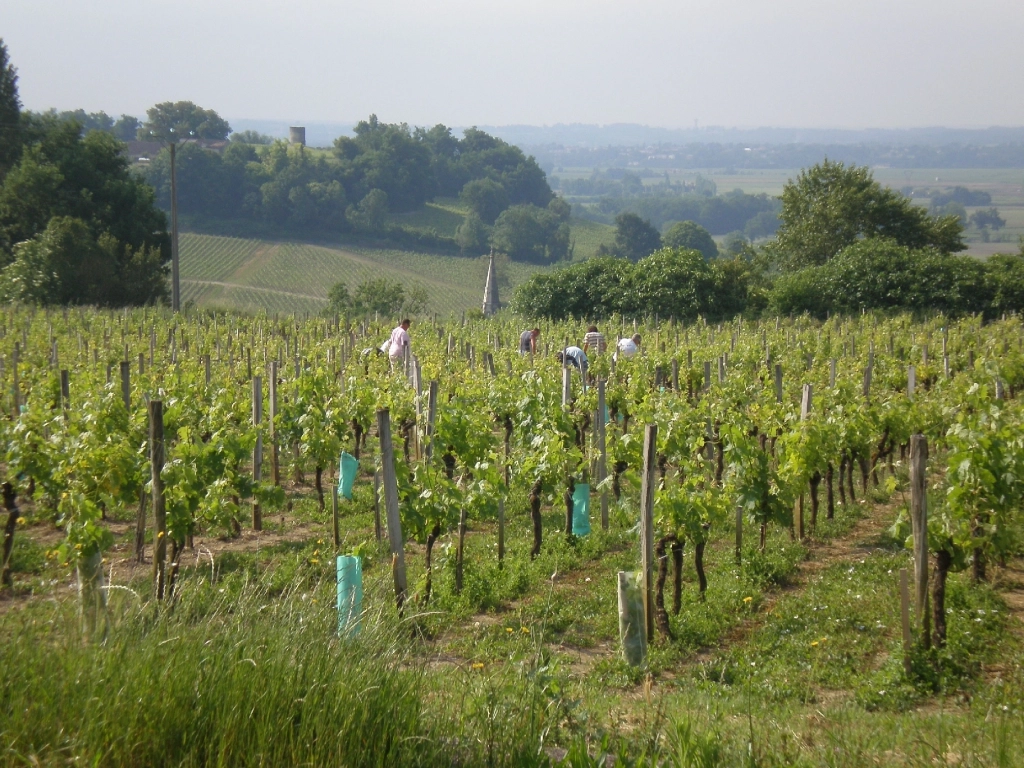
217 680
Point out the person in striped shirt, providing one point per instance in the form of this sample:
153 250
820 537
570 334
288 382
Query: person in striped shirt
593 341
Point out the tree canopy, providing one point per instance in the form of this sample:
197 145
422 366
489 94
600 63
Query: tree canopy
76 225
690 234
671 282
830 206
635 238
10 112
179 120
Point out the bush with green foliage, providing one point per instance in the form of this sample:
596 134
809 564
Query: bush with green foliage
690 234
671 282
881 274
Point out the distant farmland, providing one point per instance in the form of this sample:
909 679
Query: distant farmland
289 277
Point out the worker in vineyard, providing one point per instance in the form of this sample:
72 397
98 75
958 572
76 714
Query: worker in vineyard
528 341
398 344
628 347
593 341
575 357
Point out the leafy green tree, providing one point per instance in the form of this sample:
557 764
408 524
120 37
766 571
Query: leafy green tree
690 234
251 137
88 179
339 300
486 198
372 211
177 121
529 233
635 238
387 157
672 282
65 264
987 217
472 234
830 206
591 289
126 128
10 112
380 295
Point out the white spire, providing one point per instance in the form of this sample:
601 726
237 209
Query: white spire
491 302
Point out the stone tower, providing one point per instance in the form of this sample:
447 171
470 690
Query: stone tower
491 301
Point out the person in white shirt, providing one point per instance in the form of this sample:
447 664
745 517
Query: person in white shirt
628 347
399 342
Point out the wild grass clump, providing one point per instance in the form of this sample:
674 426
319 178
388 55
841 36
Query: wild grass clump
244 681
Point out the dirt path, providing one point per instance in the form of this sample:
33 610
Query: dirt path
222 284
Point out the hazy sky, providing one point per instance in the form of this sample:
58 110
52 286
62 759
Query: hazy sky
807 63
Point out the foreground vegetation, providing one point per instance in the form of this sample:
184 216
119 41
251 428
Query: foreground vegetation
791 654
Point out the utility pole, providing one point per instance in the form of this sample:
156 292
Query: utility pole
175 283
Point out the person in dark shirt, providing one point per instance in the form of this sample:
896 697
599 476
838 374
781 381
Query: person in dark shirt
528 341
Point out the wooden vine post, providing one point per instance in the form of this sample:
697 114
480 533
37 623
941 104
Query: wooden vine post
805 412
126 384
275 464
602 449
647 525
387 457
156 461
919 523
257 451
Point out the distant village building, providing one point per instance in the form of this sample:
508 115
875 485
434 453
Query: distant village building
491 301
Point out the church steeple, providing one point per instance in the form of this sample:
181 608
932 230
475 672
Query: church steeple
491 302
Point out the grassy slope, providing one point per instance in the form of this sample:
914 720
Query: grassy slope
251 275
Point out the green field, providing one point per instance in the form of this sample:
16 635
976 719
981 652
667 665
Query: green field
287 277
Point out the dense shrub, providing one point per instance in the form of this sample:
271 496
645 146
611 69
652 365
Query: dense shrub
877 274
671 282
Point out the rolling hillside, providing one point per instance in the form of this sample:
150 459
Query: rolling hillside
289 277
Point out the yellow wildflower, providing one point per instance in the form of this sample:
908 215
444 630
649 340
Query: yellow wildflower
814 643
525 630
478 665
509 630
20 521
160 535
748 599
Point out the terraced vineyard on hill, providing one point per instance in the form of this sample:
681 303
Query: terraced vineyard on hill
286 277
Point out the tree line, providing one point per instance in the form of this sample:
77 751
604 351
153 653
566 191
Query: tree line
76 225
845 244
384 168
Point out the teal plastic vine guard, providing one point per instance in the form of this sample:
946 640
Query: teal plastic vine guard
347 471
350 595
581 509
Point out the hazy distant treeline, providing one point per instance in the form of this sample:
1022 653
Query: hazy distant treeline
699 156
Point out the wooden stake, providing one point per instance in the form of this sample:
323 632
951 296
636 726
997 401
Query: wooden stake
647 524
919 522
391 504
275 462
156 461
126 385
257 451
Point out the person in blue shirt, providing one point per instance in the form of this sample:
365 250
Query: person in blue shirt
576 357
